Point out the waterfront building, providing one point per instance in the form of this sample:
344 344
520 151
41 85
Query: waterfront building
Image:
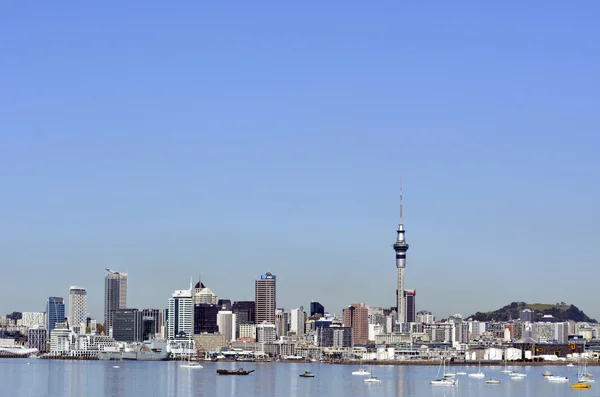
127 325
77 306
400 248
180 314
247 331
33 319
115 296
357 317
316 309
266 333
55 312
205 318
226 324
203 294
334 336
37 338
265 298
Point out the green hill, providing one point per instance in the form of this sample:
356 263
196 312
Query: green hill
560 311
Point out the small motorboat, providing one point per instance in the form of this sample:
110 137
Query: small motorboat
461 373
191 364
492 381
116 366
361 372
554 378
477 375
570 365
373 379
444 382
581 386
546 373
307 374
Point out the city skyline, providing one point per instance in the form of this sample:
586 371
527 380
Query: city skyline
230 142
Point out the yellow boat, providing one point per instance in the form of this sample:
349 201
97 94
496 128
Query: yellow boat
581 386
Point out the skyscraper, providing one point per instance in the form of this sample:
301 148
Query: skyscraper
400 247
158 317
205 318
226 324
55 312
127 325
264 296
77 306
115 296
298 321
411 295
180 313
357 317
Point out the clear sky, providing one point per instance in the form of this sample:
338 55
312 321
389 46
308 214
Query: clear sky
229 138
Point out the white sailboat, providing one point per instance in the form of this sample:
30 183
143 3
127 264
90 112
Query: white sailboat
445 379
372 379
477 374
361 371
190 363
506 370
582 375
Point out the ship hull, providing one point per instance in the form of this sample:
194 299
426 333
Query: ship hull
134 356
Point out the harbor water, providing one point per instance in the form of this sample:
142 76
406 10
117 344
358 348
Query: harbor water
63 378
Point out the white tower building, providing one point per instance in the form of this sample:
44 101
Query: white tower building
226 321
181 313
77 307
400 247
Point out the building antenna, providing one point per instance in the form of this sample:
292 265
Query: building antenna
401 222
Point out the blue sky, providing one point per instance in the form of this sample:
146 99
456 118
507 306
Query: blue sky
233 138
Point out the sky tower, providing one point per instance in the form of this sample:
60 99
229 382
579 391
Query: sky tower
400 246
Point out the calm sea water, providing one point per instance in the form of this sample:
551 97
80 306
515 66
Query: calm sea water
166 379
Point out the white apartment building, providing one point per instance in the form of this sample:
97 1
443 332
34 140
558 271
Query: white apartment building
248 331
77 306
33 319
181 313
298 321
266 333
226 321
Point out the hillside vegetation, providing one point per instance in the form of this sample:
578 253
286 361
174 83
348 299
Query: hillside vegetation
560 311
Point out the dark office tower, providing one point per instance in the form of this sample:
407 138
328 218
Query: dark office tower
224 304
265 293
316 309
55 312
157 315
148 328
244 310
411 295
127 325
115 296
205 318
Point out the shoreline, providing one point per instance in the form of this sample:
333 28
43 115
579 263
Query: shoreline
367 362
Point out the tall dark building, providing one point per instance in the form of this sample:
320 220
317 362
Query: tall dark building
148 328
205 318
316 309
265 293
157 315
127 325
245 312
115 296
411 295
224 304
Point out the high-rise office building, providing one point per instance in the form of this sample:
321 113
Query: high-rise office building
245 311
180 314
77 306
281 322
265 294
298 321
205 318
226 324
224 304
357 317
316 309
411 295
203 294
127 325
55 312
400 247
158 317
115 296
